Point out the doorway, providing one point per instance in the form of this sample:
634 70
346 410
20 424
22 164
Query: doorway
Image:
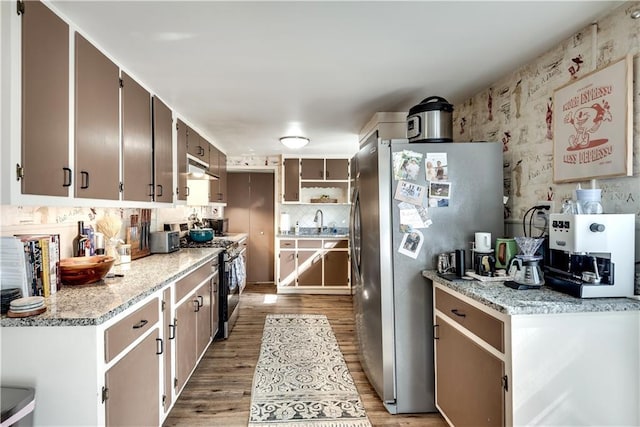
250 209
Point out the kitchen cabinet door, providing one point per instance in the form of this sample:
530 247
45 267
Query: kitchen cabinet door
186 333
168 328
215 302
336 268
182 191
287 262
312 169
162 152
197 146
309 268
469 387
133 386
203 321
291 180
214 169
97 141
337 169
45 102
137 145
222 182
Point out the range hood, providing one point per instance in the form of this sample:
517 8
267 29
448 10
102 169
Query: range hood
197 170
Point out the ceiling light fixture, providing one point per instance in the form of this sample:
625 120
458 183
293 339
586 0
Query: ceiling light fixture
294 141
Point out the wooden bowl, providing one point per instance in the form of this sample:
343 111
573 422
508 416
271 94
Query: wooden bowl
85 270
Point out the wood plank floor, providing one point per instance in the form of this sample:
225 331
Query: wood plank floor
219 392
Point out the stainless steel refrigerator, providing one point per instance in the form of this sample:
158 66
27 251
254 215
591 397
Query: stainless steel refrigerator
393 303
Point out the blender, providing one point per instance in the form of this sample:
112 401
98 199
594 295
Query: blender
525 267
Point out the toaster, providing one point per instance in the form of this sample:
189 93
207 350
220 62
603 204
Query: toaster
164 242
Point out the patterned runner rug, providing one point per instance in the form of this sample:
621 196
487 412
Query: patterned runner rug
301 378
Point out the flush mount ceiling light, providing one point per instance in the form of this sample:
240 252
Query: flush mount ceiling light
294 141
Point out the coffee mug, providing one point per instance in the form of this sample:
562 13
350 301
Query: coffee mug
483 242
505 250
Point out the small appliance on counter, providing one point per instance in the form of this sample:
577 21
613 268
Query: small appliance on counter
182 228
220 226
591 256
163 242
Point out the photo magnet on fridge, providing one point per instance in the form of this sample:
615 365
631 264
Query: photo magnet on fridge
410 192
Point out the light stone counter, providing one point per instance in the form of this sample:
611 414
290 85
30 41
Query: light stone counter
95 303
533 301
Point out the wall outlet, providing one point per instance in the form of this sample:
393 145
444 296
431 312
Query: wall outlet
541 216
549 203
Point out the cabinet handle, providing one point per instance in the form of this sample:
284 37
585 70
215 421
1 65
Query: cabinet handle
327 174
436 330
187 191
200 150
160 346
84 180
200 301
150 190
458 313
172 332
197 305
67 177
160 191
321 174
140 324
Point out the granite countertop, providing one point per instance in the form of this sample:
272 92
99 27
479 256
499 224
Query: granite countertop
545 300
95 303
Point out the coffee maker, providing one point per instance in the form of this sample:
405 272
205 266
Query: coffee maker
591 256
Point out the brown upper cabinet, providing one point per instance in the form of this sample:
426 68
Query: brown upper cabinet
218 167
183 190
291 180
97 157
45 102
197 146
324 169
137 147
162 152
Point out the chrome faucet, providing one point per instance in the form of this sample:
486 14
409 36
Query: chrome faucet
319 219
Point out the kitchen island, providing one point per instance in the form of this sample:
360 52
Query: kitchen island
121 350
534 357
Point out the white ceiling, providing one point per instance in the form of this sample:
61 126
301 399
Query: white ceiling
245 73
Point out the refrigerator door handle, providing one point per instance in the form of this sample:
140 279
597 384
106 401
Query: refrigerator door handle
355 230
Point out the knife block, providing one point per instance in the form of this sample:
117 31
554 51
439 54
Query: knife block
138 234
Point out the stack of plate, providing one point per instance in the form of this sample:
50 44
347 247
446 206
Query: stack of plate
29 306
6 296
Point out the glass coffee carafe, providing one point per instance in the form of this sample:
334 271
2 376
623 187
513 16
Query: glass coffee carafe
525 267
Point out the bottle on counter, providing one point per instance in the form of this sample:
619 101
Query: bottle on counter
297 229
80 242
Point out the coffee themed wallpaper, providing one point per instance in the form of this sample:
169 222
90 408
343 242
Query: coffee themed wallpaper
518 110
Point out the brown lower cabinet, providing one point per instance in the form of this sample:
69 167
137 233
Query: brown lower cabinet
193 332
133 386
469 389
167 324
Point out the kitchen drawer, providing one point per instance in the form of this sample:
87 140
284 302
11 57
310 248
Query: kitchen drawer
483 325
310 243
336 244
189 282
288 244
123 333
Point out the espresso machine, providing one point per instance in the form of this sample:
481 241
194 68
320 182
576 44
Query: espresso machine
591 256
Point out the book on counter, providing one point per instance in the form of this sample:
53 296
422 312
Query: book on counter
42 261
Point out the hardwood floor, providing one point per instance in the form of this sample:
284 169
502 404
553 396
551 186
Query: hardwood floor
219 392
